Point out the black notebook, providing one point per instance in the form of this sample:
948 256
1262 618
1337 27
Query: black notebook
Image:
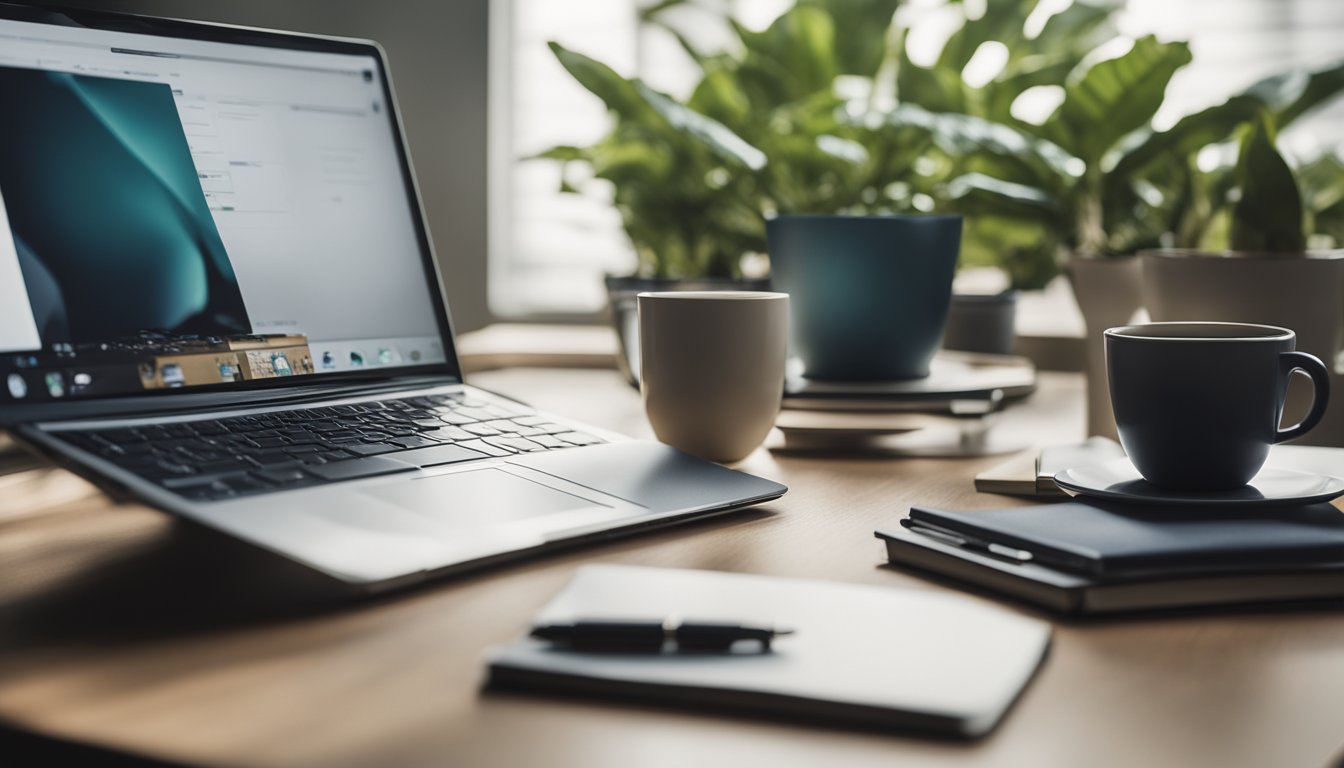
1131 540
1087 558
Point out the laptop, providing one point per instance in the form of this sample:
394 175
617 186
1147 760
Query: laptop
218 297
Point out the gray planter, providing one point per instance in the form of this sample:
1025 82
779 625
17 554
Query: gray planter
982 323
623 309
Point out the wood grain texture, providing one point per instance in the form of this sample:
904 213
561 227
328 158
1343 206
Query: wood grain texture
121 627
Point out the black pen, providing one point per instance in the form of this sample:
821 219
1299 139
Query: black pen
958 539
654 636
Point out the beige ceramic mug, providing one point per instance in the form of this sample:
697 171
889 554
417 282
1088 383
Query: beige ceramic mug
712 368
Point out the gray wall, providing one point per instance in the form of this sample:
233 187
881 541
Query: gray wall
437 54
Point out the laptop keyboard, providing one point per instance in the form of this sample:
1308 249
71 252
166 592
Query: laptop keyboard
240 455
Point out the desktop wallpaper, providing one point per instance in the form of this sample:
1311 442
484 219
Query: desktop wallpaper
113 232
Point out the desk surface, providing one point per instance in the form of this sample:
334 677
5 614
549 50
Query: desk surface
121 628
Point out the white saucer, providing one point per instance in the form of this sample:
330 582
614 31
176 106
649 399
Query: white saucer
1118 480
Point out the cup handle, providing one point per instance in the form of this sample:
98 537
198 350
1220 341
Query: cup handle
1320 379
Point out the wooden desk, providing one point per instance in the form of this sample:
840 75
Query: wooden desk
119 627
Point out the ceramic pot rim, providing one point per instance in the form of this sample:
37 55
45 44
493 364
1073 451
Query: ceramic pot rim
712 295
867 217
1194 253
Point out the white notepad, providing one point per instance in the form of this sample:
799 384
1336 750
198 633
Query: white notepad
874 657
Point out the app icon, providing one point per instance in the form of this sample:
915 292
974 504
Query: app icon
328 361
280 364
356 359
82 380
18 388
55 384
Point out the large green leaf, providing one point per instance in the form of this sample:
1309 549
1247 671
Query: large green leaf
713 135
1047 59
793 58
1190 134
618 93
861 29
1114 97
1292 94
1024 158
976 193
638 103
1268 215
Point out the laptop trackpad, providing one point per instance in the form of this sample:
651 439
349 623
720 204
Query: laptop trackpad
479 497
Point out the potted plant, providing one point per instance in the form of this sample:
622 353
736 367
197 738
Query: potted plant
1021 249
690 180
799 118
1107 185
1262 270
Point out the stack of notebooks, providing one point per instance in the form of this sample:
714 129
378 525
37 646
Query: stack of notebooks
1092 558
948 413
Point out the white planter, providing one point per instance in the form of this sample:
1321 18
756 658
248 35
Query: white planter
1304 292
1108 292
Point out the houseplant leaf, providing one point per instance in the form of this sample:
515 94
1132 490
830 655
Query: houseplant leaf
618 93
1048 58
1024 158
1268 216
710 133
861 30
1186 137
1290 95
792 58
975 193
1114 97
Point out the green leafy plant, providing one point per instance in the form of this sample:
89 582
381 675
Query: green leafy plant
758 135
1267 216
1262 205
824 112
889 142
1141 188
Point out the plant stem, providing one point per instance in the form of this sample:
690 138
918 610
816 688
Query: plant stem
1091 228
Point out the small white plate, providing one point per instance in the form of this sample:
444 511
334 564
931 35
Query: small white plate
1118 480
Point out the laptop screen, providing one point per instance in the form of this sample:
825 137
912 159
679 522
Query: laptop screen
183 213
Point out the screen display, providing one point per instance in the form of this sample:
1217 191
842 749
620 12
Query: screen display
180 213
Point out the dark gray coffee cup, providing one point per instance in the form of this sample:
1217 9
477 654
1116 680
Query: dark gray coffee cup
1197 405
869 293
